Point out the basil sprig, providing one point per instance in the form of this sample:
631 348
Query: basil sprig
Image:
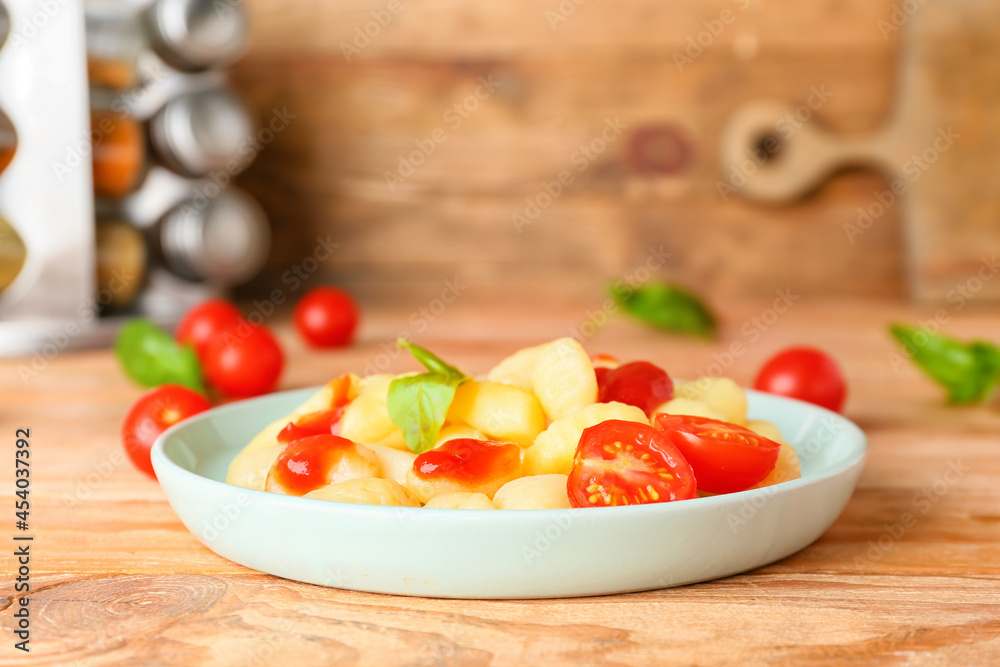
151 357
666 307
968 371
418 404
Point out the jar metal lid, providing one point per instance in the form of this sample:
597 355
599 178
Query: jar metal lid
224 240
195 35
197 133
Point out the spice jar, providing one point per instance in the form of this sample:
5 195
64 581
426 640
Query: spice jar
13 254
118 152
193 134
121 262
115 37
201 132
223 240
8 141
195 35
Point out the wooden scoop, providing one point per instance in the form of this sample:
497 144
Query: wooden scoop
940 151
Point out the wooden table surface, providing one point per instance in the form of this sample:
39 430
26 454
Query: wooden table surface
117 580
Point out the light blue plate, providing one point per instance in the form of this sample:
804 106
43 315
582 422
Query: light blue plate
505 553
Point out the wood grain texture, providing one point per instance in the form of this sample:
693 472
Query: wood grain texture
118 580
552 91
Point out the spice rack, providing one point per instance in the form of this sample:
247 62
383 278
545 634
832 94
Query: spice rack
124 149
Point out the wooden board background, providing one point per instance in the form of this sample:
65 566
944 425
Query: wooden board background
325 173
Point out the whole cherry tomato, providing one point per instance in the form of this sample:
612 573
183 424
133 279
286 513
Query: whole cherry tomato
627 463
243 360
204 320
725 457
804 373
155 412
637 383
326 317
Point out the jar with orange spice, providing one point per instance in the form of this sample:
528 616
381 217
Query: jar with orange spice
193 134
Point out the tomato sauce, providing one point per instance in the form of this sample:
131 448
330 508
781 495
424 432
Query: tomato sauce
468 461
324 422
305 464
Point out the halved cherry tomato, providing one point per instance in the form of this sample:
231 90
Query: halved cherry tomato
156 411
627 463
468 461
725 457
804 373
637 383
203 321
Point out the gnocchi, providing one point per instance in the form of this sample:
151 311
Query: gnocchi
368 491
554 447
501 411
534 492
512 440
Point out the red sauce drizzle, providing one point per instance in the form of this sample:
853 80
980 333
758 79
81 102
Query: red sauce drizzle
468 461
324 422
305 463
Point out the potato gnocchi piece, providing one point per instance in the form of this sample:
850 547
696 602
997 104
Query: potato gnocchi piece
518 369
688 406
535 492
786 469
721 394
396 440
766 429
563 379
372 491
461 501
352 462
554 447
393 464
455 431
366 419
376 385
502 411
249 468
469 466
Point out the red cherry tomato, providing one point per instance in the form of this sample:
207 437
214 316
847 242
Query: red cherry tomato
305 464
725 457
627 463
243 360
603 364
804 373
637 383
468 461
326 317
204 320
156 411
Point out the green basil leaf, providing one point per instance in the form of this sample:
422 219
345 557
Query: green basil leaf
666 307
151 357
418 405
968 371
429 360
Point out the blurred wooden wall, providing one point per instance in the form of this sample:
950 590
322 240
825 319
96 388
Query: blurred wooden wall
557 83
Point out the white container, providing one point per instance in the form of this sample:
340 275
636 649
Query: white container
46 193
